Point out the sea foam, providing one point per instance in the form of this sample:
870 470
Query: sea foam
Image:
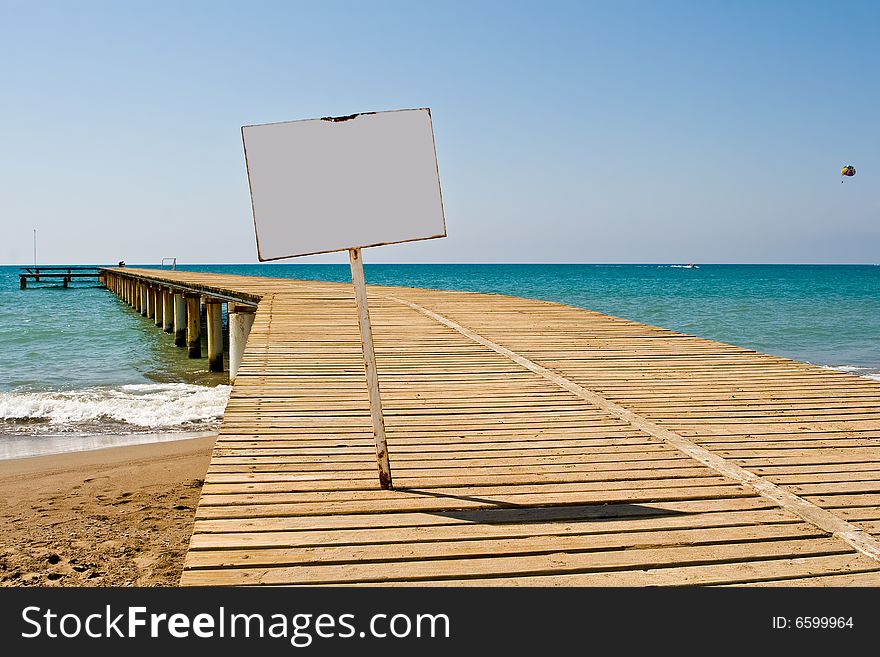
864 372
152 406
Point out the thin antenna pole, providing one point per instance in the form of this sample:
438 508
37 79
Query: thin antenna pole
35 248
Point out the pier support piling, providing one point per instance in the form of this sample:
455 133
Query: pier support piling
241 319
150 299
157 306
144 299
193 326
167 311
214 323
179 320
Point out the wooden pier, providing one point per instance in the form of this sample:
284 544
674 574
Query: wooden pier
531 443
64 275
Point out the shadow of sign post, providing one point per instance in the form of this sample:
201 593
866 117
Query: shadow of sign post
346 183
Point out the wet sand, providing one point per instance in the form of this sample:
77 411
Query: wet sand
109 517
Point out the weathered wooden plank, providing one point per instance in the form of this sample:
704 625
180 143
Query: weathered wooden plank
258 553
506 566
211 507
859 571
701 510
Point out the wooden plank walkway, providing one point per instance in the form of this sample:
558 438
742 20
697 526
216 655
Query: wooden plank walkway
531 444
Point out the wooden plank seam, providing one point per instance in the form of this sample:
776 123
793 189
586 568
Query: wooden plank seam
860 540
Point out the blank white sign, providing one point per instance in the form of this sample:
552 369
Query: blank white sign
332 184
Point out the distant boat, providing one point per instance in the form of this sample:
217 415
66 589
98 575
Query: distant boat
689 266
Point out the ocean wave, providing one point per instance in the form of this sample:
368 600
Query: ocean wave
152 406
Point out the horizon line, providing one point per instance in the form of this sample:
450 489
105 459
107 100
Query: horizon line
324 264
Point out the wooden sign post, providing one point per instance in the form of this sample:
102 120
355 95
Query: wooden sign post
341 184
376 417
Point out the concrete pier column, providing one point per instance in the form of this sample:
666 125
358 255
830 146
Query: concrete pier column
167 311
214 322
179 320
241 319
157 306
193 326
144 299
148 302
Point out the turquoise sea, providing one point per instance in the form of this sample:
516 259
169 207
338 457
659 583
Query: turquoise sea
76 363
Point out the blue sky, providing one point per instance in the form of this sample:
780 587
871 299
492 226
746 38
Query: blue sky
566 132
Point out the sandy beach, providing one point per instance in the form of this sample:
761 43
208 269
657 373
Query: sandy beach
111 517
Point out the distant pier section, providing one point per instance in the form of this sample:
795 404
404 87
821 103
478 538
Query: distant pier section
54 274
